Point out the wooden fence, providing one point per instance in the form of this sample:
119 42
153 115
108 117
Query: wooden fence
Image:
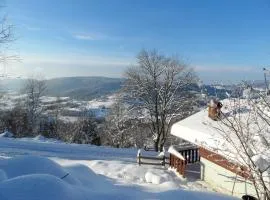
147 148
151 160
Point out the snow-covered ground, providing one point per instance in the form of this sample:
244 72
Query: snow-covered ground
48 99
71 109
98 103
39 168
14 147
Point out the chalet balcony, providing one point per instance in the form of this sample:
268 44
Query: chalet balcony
185 159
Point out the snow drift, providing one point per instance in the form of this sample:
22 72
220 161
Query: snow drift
32 177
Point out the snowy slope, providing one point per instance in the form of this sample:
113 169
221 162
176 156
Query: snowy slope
43 169
14 147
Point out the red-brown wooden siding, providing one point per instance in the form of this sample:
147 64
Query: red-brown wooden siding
223 162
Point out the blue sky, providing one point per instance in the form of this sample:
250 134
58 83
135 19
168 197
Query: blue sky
223 40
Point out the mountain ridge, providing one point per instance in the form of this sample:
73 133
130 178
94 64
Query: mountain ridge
82 87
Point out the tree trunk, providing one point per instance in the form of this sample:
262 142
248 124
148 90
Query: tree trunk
161 147
156 145
162 140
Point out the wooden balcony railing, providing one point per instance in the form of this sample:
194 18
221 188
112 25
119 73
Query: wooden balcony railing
181 156
191 155
178 164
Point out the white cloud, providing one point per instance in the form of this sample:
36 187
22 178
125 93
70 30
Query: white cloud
89 36
84 37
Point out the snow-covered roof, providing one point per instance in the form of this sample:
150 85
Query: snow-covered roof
197 129
213 135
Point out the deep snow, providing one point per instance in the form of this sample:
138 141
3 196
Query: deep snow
40 169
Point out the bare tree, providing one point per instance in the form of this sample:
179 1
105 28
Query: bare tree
55 117
86 130
7 36
122 129
117 126
67 130
34 90
245 128
14 120
159 85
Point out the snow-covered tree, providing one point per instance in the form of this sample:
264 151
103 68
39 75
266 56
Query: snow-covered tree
85 130
245 126
51 123
116 127
160 85
34 90
123 127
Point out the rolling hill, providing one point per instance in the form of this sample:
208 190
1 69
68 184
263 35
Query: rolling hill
83 88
